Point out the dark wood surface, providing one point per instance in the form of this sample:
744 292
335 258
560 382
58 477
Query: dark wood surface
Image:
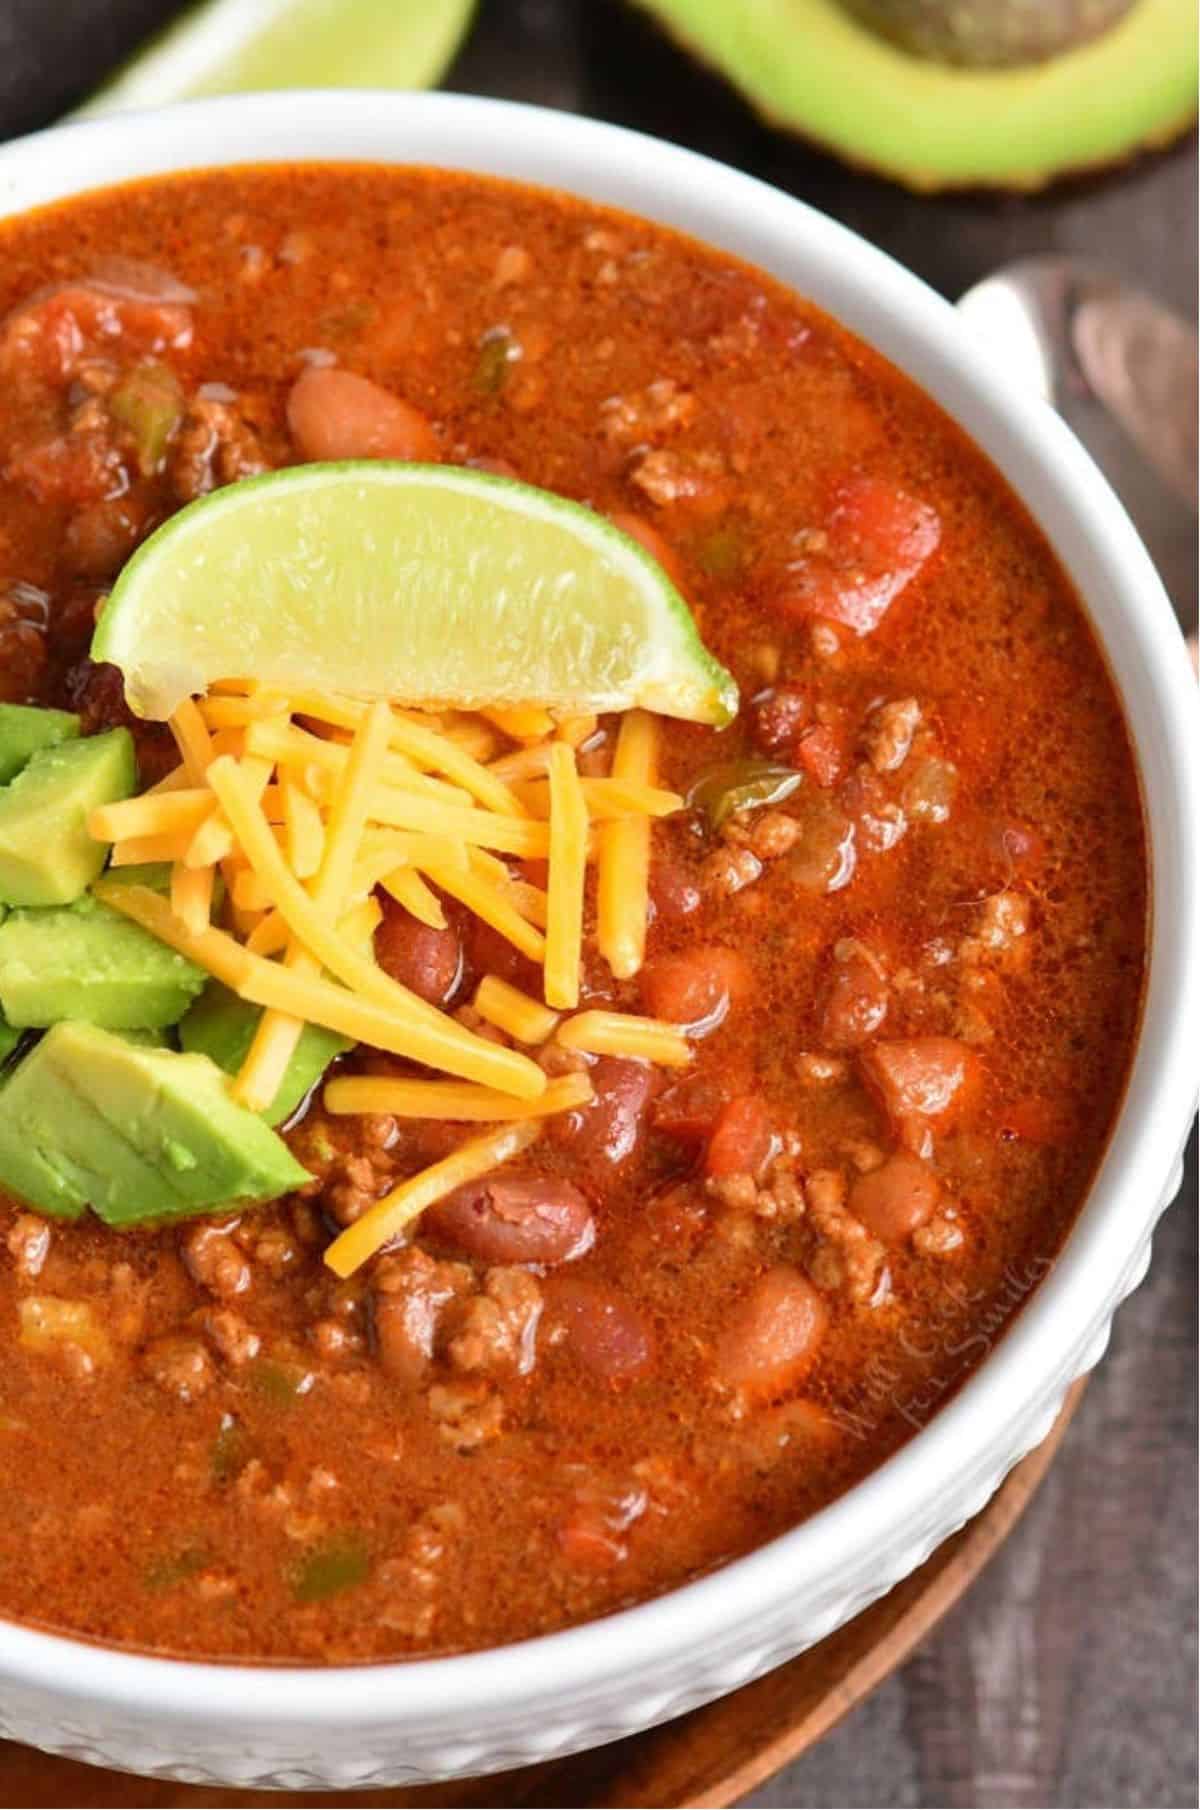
1067 1675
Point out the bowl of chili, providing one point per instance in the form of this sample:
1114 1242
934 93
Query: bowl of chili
619 320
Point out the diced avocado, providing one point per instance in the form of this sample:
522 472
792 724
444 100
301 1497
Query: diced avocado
46 854
222 1026
25 729
10 1036
88 962
149 1035
137 1133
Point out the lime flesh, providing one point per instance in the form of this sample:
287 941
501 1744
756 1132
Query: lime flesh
427 584
238 46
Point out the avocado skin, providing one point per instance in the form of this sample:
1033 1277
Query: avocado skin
86 961
25 729
222 1026
811 67
139 1134
46 854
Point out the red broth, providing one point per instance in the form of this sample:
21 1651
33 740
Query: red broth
702 1306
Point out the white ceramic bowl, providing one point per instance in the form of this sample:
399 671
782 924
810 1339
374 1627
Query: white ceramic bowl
405 1723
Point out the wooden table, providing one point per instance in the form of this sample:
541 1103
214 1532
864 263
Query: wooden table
1066 1676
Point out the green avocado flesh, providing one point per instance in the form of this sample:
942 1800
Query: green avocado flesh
812 67
25 730
222 1026
46 854
137 1133
86 961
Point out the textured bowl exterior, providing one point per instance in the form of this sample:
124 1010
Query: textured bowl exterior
403 1724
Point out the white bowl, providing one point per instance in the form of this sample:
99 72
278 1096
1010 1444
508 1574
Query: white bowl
387 1724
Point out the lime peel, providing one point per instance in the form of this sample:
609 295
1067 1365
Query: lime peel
427 584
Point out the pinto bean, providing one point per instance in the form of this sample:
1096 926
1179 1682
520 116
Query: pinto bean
602 1328
513 1218
428 962
697 987
893 1200
335 414
773 1336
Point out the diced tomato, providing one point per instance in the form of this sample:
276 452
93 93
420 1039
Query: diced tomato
877 539
690 1109
70 468
52 335
819 752
1038 1119
742 1140
697 987
893 1200
932 1079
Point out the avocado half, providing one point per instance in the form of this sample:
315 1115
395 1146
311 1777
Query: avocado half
819 68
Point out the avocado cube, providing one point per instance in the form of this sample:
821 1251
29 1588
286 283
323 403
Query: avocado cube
25 729
222 1026
137 1133
87 961
10 1036
46 854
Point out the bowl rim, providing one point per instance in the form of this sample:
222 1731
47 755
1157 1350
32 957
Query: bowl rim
1040 1349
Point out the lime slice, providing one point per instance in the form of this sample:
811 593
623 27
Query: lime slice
235 46
429 584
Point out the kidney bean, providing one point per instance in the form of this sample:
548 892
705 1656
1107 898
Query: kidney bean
609 1128
893 1200
514 1219
773 1336
334 414
856 1005
428 962
674 891
742 1140
602 1328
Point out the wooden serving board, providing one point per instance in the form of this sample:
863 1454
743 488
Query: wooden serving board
713 1756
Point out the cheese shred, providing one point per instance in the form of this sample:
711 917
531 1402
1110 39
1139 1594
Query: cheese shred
398 1209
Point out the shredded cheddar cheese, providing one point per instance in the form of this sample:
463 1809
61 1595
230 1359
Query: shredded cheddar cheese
623 872
568 862
307 802
624 1034
510 1010
455 1100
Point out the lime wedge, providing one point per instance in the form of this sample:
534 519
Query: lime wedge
235 46
429 584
